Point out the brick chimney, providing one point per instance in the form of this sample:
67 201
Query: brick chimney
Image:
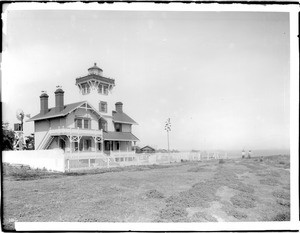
59 99
119 107
44 102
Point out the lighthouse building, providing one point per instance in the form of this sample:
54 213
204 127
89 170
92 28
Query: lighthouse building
94 124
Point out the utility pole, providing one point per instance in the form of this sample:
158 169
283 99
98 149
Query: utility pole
168 128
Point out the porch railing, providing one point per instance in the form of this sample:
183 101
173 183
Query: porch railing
76 131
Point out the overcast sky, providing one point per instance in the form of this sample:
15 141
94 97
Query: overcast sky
222 77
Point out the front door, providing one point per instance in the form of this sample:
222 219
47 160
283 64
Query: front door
107 145
62 144
87 144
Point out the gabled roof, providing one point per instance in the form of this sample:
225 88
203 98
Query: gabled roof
121 117
96 77
119 136
67 109
149 147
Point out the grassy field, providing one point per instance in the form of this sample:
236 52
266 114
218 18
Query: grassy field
215 190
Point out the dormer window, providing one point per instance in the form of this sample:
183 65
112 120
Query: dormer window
118 127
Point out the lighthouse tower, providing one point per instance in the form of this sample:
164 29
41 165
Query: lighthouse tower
96 89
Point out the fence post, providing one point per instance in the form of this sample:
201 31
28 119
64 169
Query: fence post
89 162
68 165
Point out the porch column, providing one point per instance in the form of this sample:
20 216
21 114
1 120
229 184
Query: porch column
70 144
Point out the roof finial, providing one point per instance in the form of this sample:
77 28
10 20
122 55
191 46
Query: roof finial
95 64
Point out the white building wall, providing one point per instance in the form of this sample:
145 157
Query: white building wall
110 124
70 121
94 99
55 123
40 130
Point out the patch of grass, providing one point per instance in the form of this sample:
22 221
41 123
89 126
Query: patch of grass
225 176
153 193
221 161
173 214
269 181
200 195
241 187
281 194
283 202
243 200
269 173
8 226
22 172
237 214
203 217
199 169
88 220
232 211
281 217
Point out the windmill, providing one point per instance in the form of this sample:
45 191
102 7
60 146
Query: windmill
168 128
18 128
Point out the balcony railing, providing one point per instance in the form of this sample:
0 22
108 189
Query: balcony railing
78 131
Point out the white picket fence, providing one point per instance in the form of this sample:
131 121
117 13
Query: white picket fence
57 160
92 161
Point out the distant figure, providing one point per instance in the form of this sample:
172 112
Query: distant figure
243 154
249 154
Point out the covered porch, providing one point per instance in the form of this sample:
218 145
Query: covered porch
76 141
118 142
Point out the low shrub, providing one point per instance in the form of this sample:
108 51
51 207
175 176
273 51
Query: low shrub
241 187
203 217
221 161
200 195
153 193
88 220
229 209
199 169
8 226
243 200
281 194
237 214
283 202
173 214
281 217
269 181
269 173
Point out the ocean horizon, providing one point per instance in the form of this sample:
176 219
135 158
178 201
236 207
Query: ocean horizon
254 153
